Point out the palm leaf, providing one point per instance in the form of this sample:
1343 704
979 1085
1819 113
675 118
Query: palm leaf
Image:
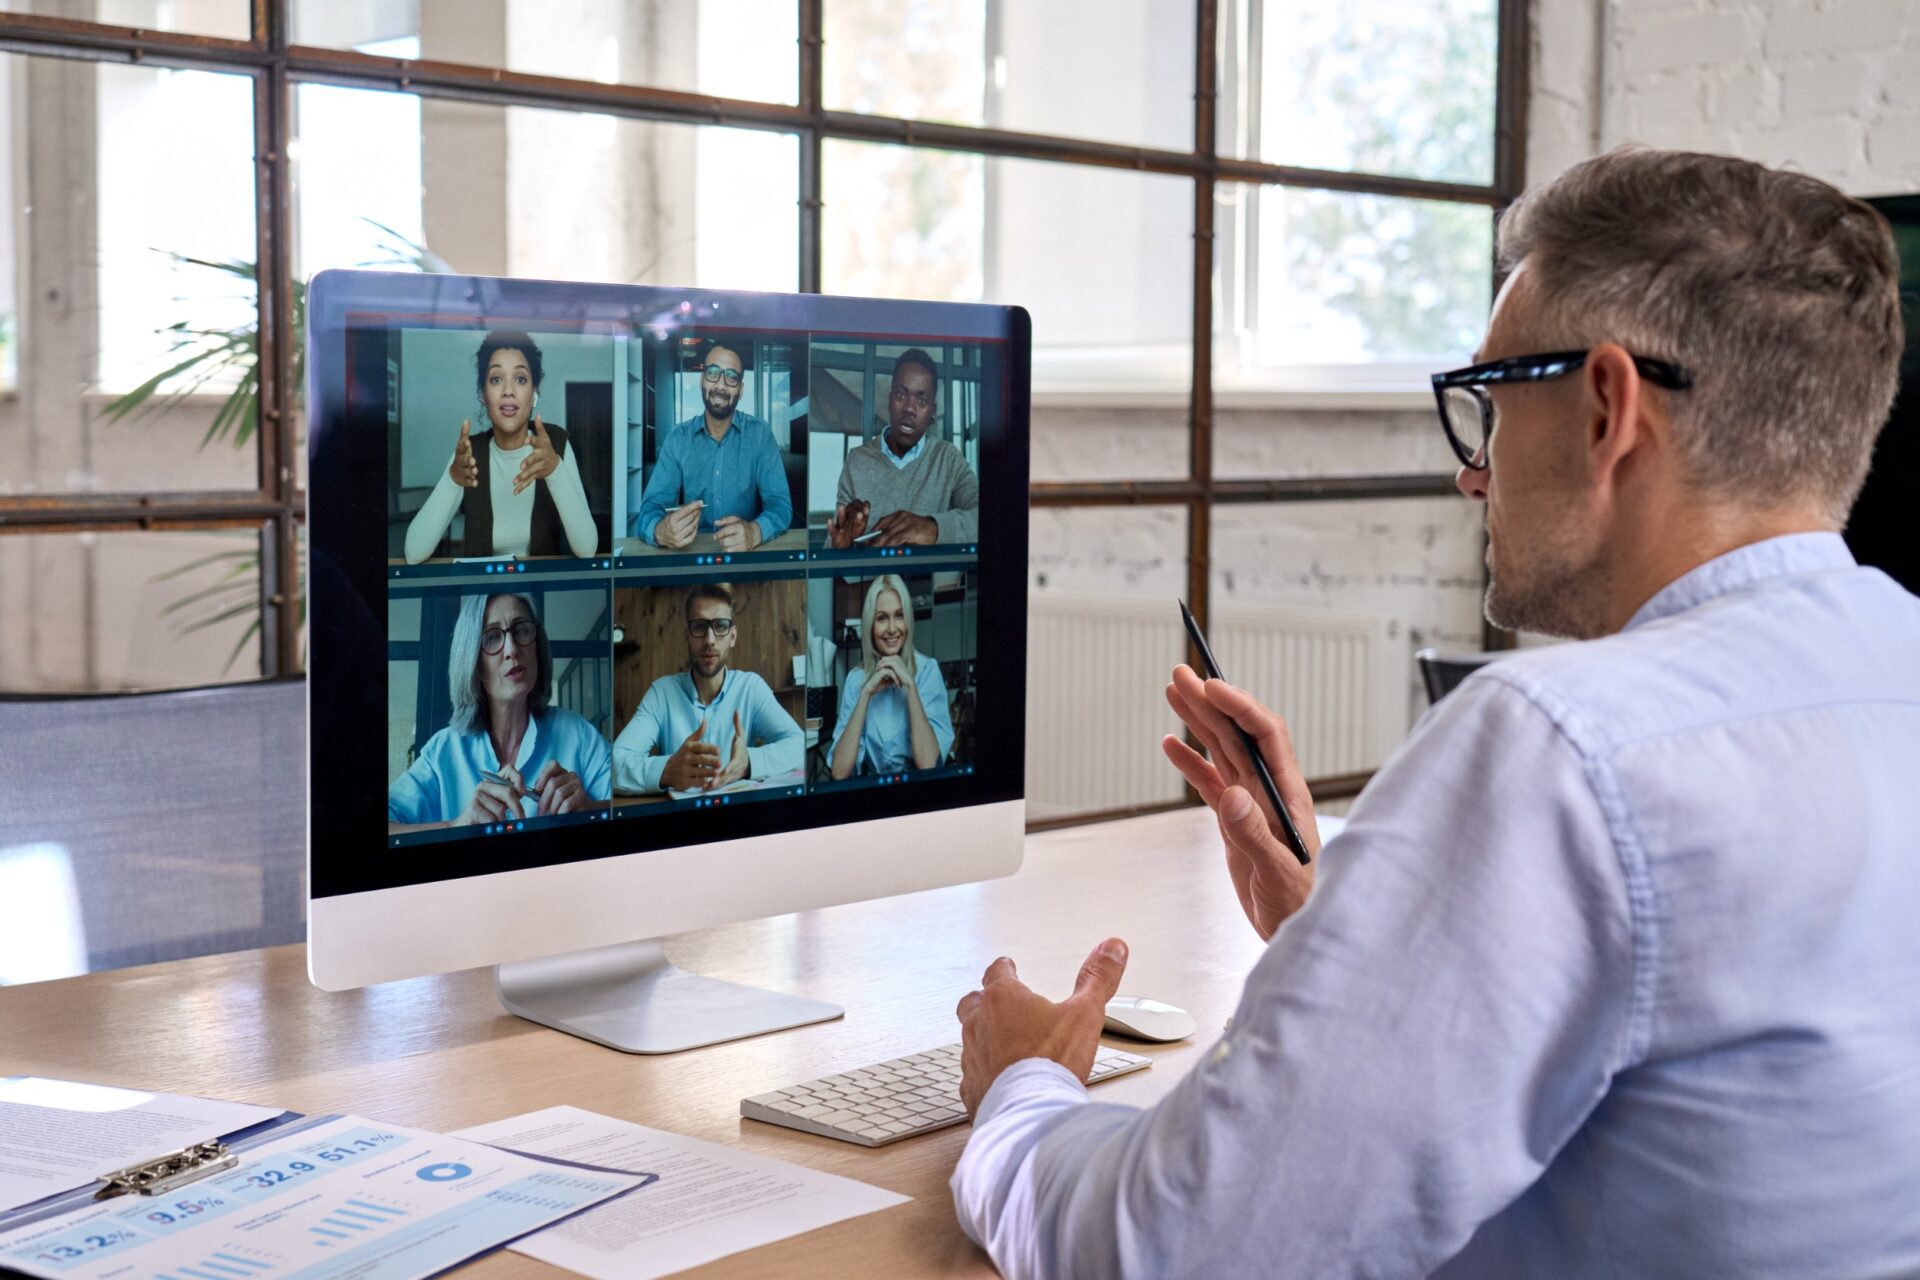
200 355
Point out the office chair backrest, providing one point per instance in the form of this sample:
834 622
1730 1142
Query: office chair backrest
176 821
1443 672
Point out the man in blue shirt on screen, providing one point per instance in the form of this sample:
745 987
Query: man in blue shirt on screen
1612 971
696 730
718 472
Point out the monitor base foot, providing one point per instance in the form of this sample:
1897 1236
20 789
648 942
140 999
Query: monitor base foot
629 997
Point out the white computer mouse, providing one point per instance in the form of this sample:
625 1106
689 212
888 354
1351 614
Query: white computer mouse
1145 1019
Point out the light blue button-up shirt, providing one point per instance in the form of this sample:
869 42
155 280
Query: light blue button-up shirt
1612 973
671 710
886 739
738 475
443 777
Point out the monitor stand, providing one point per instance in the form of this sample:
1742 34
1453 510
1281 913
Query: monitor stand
628 997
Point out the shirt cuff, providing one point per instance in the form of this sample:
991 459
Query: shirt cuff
1028 1081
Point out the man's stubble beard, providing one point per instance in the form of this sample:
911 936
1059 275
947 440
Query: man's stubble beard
1561 590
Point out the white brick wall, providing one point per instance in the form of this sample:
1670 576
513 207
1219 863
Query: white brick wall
1828 87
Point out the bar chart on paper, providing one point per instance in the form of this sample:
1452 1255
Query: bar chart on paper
344 1198
353 1218
224 1264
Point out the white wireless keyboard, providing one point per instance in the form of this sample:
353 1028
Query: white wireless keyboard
892 1100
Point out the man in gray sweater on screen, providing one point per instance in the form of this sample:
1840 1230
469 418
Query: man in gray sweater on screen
905 487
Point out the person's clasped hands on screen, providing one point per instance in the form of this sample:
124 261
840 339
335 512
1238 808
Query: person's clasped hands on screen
695 766
556 789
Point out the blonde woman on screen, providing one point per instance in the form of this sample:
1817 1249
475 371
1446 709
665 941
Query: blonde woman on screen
893 707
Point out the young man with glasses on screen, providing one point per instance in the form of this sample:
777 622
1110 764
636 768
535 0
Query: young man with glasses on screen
1611 972
693 729
718 472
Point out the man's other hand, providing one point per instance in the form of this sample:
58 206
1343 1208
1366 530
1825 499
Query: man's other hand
903 528
1270 881
735 534
1005 1022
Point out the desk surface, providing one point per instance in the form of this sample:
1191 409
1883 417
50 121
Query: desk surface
441 1053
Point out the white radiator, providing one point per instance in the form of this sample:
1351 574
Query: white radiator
1096 668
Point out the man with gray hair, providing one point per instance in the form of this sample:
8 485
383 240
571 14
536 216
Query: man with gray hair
1611 972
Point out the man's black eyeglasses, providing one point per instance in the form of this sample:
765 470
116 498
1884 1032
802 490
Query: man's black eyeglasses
1466 406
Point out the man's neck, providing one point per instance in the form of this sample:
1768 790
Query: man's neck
899 450
707 688
1691 531
718 427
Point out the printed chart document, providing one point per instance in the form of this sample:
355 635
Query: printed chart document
710 1200
340 1198
56 1135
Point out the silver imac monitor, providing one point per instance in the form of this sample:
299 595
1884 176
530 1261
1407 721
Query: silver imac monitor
664 608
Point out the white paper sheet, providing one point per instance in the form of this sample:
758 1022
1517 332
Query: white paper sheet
56 1135
710 1200
341 1199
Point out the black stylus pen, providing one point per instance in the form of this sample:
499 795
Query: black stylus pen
1253 749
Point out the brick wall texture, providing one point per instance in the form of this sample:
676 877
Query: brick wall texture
1828 87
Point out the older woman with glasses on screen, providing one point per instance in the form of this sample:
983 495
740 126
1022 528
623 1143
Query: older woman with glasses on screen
505 754
893 707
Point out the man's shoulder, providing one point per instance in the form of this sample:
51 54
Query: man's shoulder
667 685
1786 645
437 748
745 684
943 449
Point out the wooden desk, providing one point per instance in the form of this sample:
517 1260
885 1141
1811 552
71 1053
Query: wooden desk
441 1053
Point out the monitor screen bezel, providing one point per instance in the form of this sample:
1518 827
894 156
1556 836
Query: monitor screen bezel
347 580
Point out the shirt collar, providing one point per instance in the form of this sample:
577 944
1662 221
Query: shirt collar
693 690
897 459
527 742
1744 567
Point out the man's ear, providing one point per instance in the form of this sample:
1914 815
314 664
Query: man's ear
1615 409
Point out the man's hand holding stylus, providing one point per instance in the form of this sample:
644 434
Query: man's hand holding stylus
1270 881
